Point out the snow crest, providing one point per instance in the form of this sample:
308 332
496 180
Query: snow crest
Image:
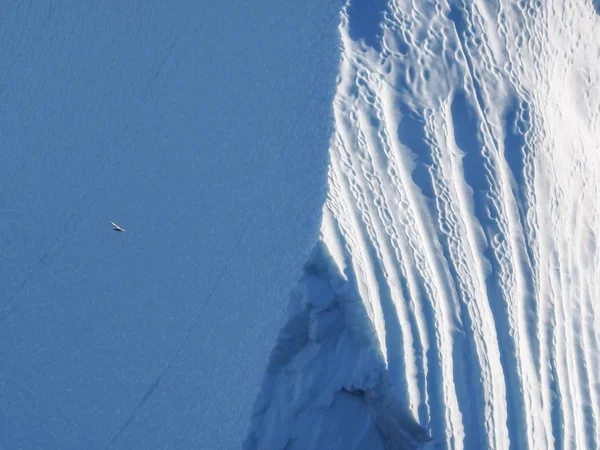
455 306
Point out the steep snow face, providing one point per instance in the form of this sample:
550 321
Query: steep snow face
461 225
202 128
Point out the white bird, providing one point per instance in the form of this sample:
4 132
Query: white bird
117 227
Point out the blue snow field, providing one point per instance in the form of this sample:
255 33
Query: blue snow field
202 128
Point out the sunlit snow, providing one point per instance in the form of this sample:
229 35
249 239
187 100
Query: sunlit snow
361 225
461 226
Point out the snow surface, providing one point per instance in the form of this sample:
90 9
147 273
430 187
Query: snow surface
459 264
201 129
443 252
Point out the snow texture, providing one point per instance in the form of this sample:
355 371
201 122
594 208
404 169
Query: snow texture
202 129
461 232
443 251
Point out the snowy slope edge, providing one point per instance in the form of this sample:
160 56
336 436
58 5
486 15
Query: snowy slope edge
464 195
326 384
461 262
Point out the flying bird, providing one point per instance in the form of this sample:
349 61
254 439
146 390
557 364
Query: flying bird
117 227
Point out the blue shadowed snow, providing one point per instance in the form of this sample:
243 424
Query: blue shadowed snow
365 17
203 131
306 400
411 133
477 174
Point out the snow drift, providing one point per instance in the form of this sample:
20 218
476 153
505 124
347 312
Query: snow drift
458 305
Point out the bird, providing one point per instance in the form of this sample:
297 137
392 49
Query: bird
117 227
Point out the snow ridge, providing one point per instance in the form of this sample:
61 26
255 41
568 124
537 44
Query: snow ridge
462 219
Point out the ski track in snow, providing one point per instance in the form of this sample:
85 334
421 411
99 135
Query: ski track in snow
452 302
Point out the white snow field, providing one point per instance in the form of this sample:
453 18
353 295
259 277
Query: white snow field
202 128
452 301
434 217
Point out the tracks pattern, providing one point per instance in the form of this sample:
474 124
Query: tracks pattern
463 187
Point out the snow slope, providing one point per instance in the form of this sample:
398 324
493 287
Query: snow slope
452 301
201 129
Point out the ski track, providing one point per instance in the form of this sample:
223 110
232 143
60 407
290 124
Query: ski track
459 239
